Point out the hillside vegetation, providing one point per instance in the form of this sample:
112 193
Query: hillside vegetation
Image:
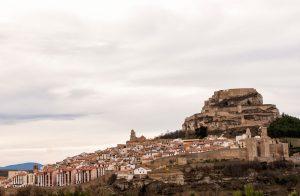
198 134
172 135
286 126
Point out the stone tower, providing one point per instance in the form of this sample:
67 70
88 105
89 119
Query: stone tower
264 132
251 146
132 135
265 143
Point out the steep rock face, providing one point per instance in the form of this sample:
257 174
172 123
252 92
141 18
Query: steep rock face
232 111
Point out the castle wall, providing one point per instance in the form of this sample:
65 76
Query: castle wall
251 148
266 148
285 149
239 153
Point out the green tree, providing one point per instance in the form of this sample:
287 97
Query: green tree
172 135
286 126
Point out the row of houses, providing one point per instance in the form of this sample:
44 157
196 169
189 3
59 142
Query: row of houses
125 160
17 179
49 177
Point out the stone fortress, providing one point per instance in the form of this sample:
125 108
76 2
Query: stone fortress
260 148
264 148
240 114
231 112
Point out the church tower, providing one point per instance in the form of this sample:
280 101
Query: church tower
132 135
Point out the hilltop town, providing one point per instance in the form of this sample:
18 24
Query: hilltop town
238 111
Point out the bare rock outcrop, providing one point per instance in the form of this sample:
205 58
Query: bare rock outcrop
231 111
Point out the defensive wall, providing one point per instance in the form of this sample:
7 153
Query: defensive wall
226 154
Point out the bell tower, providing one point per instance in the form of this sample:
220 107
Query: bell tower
132 135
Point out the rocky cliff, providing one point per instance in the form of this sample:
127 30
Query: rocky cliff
231 111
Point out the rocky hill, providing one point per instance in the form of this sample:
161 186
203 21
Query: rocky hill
231 111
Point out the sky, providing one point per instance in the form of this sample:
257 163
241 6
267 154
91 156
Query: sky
77 76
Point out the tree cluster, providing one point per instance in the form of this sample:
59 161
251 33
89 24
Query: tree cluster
286 126
199 133
172 135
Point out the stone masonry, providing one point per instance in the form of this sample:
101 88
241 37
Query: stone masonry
265 148
231 112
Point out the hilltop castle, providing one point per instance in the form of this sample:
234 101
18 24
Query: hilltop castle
231 112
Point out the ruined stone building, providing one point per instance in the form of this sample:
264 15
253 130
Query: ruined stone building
264 148
231 112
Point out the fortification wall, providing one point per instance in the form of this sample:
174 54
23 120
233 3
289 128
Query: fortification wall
295 142
219 154
211 155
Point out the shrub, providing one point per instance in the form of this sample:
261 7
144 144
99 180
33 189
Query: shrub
237 193
249 191
294 193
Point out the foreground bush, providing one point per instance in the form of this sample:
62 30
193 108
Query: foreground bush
248 191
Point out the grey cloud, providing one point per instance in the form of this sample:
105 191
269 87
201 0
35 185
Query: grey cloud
14 118
81 93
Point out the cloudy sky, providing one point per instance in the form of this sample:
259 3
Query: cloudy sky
76 76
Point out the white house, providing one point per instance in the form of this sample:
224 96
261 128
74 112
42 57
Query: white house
240 139
141 171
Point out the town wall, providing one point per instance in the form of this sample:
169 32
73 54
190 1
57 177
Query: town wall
239 153
295 142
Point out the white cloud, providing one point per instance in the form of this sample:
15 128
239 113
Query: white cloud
80 74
